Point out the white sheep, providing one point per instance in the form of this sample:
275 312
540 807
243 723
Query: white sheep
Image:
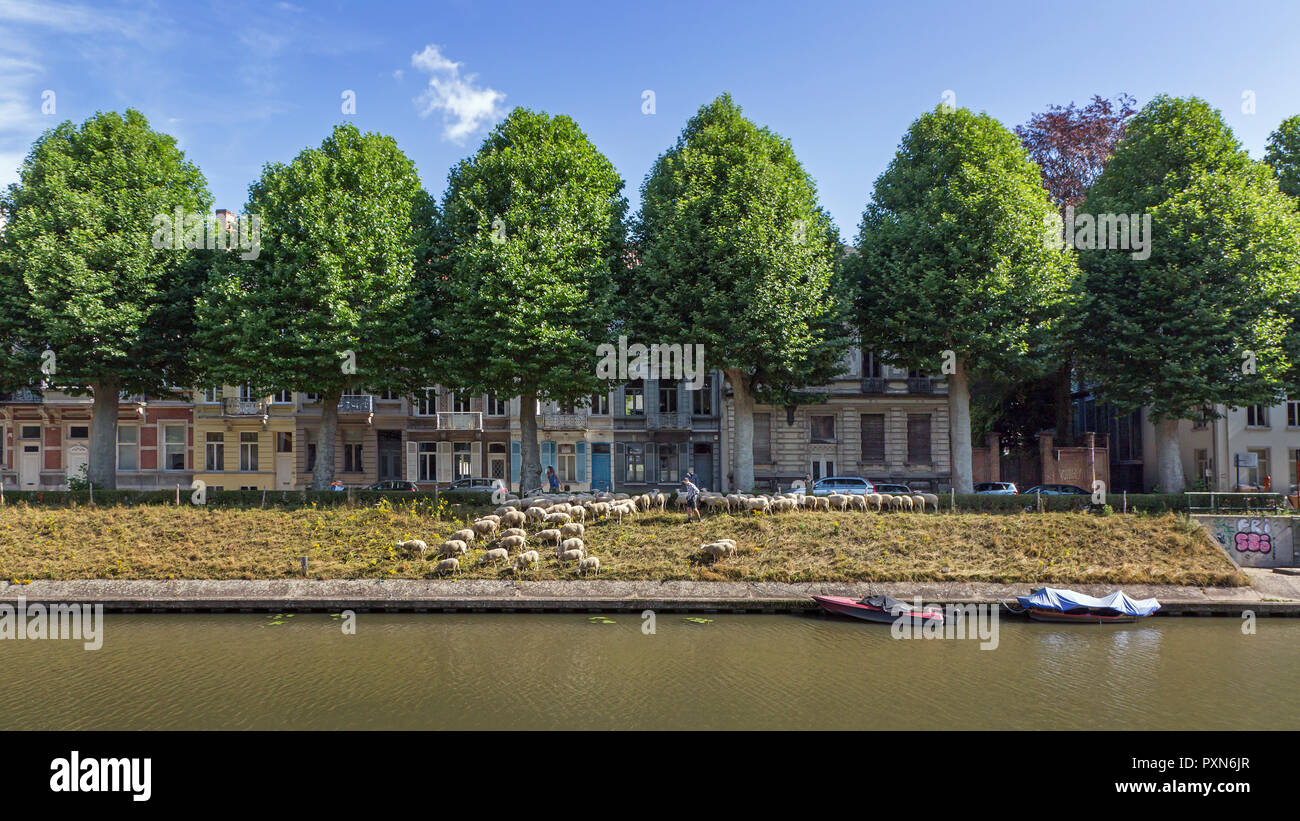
467 535
535 513
876 500
932 500
589 563
526 559
447 566
718 550
557 519
485 527
513 519
566 556
575 529
572 544
513 531
512 542
414 545
496 554
452 547
549 535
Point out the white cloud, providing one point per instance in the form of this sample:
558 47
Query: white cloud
466 106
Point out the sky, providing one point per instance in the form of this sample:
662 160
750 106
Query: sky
242 84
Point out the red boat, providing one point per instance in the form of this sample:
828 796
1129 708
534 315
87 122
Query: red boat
884 609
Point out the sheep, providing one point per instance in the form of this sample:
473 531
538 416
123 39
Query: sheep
551 535
413 545
572 544
575 529
490 517
905 502
512 542
485 527
718 550
895 502
496 554
514 519
526 559
513 531
557 518
876 499
447 566
822 503
838 501
535 513
452 547
759 503
566 556
859 501
467 535
589 563
918 502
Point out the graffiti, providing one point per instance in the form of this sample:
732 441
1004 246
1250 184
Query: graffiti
1252 536
1255 541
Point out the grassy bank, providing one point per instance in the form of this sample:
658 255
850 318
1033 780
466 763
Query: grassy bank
160 542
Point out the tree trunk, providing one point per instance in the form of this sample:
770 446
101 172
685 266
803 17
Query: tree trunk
322 474
103 434
1169 457
743 453
530 452
959 425
1064 430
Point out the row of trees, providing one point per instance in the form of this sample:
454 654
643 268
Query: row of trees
531 260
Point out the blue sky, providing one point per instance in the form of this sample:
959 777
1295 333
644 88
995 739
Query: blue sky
241 84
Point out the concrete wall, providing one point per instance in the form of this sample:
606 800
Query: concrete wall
1255 541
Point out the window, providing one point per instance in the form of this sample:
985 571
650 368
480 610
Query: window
496 406
311 450
668 396
282 397
352 451
387 395
634 399
214 449
1257 416
871 365
1295 463
873 438
1201 418
248 451
918 438
763 438
426 402
461 453
312 397
1255 476
128 448
568 467
1204 468
284 442
600 404
823 428
79 432
428 459
1293 414
212 394
174 447
635 462
246 394
702 400
668 462
460 402
29 432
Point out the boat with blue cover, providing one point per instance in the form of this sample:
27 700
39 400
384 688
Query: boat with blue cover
1058 605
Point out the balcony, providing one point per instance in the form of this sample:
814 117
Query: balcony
668 421
873 385
357 404
460 420
920 384
232 406
564 421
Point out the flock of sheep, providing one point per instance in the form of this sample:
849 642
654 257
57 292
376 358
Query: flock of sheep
563 517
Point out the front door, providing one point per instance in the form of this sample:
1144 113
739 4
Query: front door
704 465
78 462
600 466
29 468
390 454
821 468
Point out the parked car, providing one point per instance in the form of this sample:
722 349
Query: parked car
393 484
1058 490
473 485
892 488
997 488
845 485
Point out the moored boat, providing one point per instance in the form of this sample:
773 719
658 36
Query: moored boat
1054 604
884 609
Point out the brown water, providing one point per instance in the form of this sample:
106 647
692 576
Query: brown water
508 671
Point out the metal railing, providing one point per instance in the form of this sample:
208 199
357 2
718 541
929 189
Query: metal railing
1236 502
564 421
232 406
357 404
460 420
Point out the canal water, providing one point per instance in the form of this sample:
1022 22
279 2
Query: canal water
544 671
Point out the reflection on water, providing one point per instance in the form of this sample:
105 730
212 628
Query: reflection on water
460 671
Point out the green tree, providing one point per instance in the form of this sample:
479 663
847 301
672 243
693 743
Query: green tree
1203 319
735 254
1283 156
954 271
339 295
81 278
534 228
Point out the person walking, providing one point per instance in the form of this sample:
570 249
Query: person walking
552 479
692 492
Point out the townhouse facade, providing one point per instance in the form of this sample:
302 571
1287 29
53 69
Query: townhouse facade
1244 448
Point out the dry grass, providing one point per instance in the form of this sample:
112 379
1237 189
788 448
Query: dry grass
162 542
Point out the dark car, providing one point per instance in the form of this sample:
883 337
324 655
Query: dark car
1058 490
844 485
393 485
475 485
893 489
997 488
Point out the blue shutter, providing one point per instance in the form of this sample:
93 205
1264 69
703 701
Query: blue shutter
582 461
548 456
620 464
514 461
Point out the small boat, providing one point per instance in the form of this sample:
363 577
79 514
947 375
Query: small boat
1056 605
885 609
